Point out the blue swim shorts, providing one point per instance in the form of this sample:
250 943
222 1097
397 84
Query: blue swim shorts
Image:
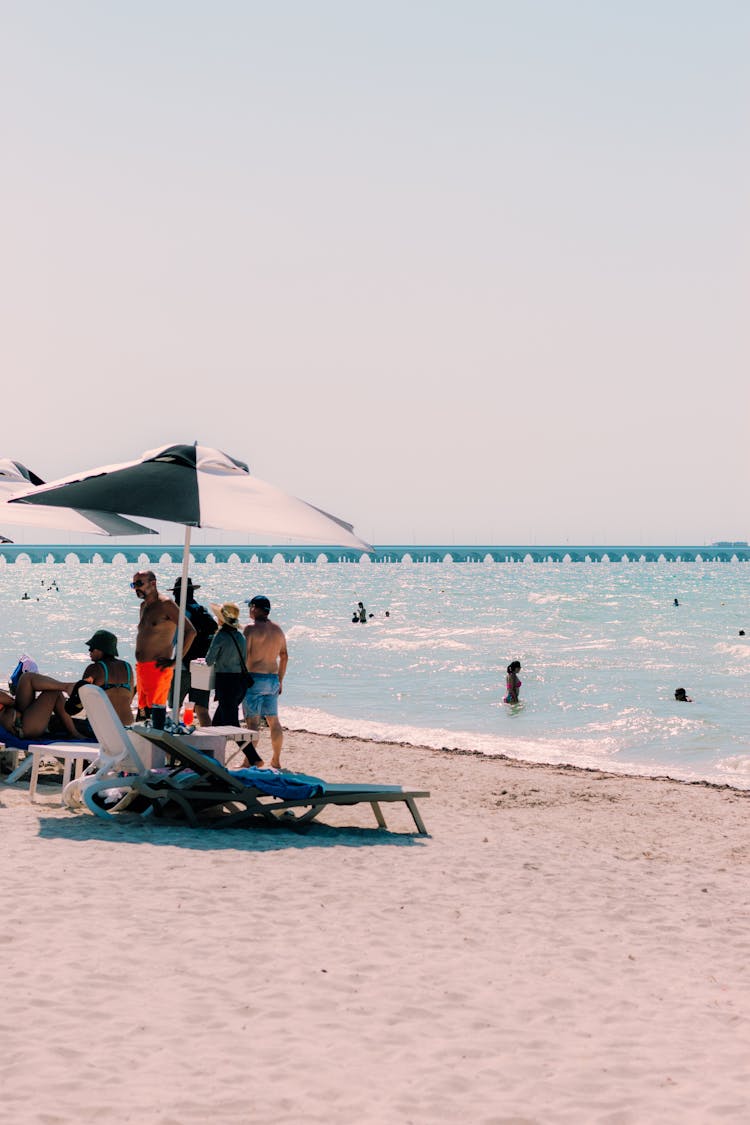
263 697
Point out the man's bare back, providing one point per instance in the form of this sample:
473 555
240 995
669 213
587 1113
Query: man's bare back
266 648
266 659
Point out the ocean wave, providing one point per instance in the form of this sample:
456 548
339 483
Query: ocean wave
738 651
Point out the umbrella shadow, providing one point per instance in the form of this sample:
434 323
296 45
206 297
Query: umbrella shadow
255 837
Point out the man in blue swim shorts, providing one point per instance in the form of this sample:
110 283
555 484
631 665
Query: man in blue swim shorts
266 659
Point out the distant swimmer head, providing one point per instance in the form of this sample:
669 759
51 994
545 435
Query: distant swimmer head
514 666
682 696
676 602
742 632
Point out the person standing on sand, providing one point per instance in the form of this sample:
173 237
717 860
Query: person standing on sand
154 646
205 628
513 684
226 655
266 660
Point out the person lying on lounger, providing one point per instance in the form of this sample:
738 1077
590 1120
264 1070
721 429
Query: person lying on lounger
37 699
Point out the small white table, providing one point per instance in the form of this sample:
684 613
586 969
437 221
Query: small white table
214 741
70 755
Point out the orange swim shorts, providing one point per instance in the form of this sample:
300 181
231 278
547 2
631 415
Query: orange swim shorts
153 684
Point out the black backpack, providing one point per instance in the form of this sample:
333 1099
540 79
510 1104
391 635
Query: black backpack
204 626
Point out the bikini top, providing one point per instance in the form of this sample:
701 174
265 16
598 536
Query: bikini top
107 686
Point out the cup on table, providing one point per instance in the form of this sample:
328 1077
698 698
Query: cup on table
188 714
158 716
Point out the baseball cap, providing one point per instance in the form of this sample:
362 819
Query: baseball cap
261 601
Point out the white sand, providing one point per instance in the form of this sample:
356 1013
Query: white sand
565 947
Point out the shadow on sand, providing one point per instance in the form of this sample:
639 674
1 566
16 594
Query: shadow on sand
256 837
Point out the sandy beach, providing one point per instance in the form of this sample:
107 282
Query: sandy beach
565 946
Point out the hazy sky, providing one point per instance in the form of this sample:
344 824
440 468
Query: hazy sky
456 271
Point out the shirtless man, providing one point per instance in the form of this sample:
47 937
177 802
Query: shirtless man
266 660
154 646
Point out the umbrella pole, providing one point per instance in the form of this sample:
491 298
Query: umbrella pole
180 629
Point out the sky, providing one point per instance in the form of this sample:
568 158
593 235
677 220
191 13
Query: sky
458 272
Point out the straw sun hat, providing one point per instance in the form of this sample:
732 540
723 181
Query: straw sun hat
227 614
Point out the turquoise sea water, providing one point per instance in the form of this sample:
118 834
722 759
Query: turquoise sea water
602 648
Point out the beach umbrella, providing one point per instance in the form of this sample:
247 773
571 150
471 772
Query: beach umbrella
197 486
15 479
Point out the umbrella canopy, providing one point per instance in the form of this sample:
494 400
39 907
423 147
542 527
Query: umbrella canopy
15 478
197 486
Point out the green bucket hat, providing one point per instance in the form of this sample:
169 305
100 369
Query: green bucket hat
104 641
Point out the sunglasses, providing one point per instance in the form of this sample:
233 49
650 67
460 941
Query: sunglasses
138 583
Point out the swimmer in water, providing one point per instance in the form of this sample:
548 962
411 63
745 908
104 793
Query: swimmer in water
513 684
682 696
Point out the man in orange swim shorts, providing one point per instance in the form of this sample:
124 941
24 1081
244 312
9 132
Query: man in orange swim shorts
154 647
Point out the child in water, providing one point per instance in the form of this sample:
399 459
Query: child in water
513 684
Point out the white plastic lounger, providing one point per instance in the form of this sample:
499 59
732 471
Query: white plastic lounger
117 765
197 790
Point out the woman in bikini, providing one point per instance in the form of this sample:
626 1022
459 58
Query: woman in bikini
108 672
513 684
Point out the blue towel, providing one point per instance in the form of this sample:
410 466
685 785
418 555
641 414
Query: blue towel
12 742
291 785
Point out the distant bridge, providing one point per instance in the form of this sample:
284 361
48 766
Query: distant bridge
155 554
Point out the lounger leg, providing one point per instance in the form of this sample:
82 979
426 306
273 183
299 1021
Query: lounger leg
12 755
67 770
417 818
37 757
20 771
378 814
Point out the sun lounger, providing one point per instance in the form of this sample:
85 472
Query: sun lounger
197 789
115 768
207 791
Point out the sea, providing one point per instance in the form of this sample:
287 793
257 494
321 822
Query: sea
602 647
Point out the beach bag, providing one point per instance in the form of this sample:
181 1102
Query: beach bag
25 664
247 680
202 676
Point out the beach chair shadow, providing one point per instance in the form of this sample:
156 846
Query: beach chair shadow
197 790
